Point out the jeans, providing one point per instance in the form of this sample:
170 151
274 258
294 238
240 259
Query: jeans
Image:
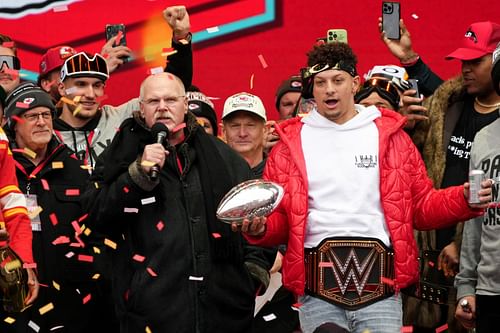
385 316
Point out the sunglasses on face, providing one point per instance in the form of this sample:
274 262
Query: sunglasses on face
81 64
11 62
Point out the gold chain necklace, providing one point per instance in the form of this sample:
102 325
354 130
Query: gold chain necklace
486 106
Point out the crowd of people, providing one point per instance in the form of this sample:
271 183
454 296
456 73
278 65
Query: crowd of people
112 209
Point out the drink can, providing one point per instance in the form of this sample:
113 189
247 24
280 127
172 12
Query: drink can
475 179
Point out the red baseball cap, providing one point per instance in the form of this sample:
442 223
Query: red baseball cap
54 58
479 39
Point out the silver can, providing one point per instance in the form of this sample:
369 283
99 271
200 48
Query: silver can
475 179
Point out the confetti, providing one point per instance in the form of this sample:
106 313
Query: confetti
96 276
66 100
77 110
22 105
57 165
251 81
183 41
110 243
125 189
87 231
269 317
60 240
130 210
212 30
147 201
77 98
53 219
160 226
8 44
87 298
45 184
148 330
46 308
96 250
431 263
138 257
34 326
415 16
56 285
86 258
325 264
442 328
407 329
70 254
35 212
155 70
262 61
216 235
59 9
196 278
151 272
9 320
387 281
30 153
71 192
71 91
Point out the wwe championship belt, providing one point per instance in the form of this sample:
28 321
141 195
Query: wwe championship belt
349 272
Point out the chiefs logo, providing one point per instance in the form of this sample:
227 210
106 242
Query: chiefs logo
13 9
29 100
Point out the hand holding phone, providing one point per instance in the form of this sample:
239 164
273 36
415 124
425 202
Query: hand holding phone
390 19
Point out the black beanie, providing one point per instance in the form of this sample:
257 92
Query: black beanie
201 106
294 84
495 71
29 96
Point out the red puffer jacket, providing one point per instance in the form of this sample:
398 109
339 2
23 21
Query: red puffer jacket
408 199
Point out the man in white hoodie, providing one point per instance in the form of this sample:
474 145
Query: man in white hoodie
355 187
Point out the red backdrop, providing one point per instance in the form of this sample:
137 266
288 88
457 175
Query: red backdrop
281 31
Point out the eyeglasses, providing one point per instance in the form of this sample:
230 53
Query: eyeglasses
80 64
33 117
169 101
11 62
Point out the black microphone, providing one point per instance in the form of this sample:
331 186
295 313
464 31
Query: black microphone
160 132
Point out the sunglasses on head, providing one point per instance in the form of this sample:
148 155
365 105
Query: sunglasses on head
82 65
11 62
320 67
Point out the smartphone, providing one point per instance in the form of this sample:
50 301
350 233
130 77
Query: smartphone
390 19
113 30
414 85
336 36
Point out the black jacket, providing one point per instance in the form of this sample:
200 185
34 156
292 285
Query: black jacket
168 273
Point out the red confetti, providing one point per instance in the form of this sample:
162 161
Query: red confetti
431 263
138 258
160 226
87 298
8 44
53 219
442 328
72 192
407 329
22 105
325 264
83 217
262 61
83 257
76 227
80 242
118 37
45 184
216 235
387 281
18 119
125 189
151 272
31 265
167 49
60 240
126 294
297 305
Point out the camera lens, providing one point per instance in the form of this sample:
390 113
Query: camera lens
335 36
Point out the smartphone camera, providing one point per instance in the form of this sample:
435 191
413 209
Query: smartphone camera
387 8
333 35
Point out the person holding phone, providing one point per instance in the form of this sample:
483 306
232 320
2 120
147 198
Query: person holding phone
458 109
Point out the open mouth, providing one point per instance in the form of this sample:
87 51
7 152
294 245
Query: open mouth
331 102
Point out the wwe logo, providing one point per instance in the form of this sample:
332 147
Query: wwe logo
351 269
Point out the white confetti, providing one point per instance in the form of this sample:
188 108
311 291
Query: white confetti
196 278
130 210
63 8
34 326
415 16
147 201
70 254
269 317
71 90
156 70
56 328
212 30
